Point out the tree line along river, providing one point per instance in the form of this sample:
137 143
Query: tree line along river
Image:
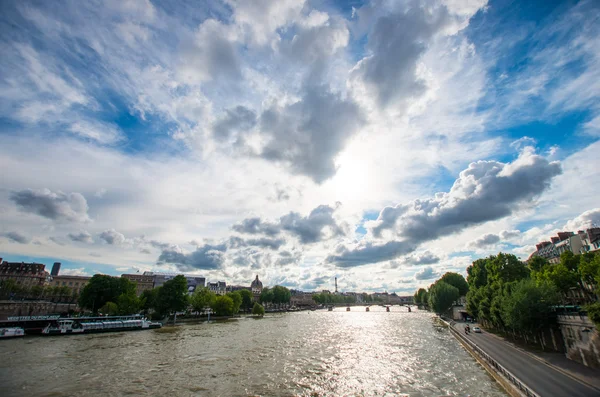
319 353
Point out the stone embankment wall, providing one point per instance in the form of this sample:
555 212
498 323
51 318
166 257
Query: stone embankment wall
34 308
582 339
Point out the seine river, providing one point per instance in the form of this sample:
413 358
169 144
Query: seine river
317 353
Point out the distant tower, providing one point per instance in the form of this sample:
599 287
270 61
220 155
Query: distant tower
336 285
55 269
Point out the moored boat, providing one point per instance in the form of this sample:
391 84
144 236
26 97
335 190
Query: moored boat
11 332
88 325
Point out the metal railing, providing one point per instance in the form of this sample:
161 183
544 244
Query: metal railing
494 364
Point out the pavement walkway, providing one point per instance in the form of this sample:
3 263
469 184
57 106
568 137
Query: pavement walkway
548 374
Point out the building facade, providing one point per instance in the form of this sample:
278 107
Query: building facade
256 287
142 282
218 288
75 283
193 282
24 274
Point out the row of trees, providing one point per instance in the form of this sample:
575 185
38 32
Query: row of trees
9 289
506 294
277 295
442 294
113 295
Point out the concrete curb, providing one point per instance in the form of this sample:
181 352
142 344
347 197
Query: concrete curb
562 371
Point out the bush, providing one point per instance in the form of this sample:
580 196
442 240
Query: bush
258 309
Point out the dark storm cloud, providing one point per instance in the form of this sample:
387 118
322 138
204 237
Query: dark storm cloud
57 206
81 237
112 237
206 257
317 226
427 273
307 135
18 237
235 121
396 44
257 226
262 242
423 258
485 191
368 253
484 241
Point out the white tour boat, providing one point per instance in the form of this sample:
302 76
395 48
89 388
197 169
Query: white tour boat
88 325
11 332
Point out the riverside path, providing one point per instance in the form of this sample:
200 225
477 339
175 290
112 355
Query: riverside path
545 380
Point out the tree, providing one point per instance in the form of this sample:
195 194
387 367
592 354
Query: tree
246 299
593 311
477 274
109 309
129 303
458 281
560 276
258 310
223 306
528 306
101 289
421 296
237 301
537 263
589 268
505 268
441 296
201 299
148 298
281 295
172 296
569 260
266 296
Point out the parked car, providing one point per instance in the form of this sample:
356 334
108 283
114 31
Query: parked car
477 330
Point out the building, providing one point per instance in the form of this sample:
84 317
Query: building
590 240
256 287
143 282
218 288
302 299
75 283
24 274
55 269
193 282
233 288
578 243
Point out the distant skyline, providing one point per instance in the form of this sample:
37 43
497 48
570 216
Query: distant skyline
382 142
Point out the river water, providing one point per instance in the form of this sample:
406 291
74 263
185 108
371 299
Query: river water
316 353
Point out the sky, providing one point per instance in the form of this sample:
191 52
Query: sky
380 142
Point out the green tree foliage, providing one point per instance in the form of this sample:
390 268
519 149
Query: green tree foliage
537 263
477 274
258 309
201 299
593 312
247 297
559 275
528 306
223 306
109 309
458 281
505 268
266 296
148 298
129 303
441 296
421 297
281 295
237 301
569 260
172 296
589 269
326 299
101 289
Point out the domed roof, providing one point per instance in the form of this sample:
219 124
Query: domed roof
256 283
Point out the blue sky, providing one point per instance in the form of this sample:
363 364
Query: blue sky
382 142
